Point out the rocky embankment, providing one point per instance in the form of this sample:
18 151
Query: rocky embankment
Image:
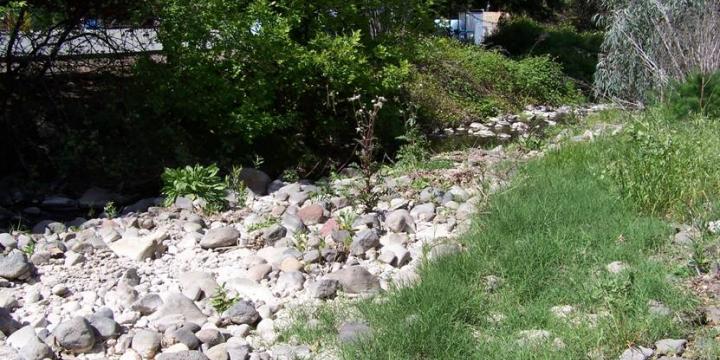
174 283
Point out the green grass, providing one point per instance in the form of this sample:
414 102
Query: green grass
549 237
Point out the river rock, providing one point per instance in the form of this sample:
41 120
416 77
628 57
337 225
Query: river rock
637 353
220 237
198 285
242 312
146 343
423 212
256 180
75 335
356 279
106 327
312 214
14 266
670 346
139 248
179 304
363 241
289 283
35 349
324 289
400 221
147 304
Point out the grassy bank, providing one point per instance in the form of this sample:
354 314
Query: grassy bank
549 238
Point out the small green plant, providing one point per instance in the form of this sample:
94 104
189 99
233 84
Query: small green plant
266 223
414 150
233 181
346 220
110 210
290 175
29 249
195 182
18 227
221 300
323 193
258 161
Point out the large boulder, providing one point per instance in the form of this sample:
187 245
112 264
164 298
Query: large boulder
220 237
256 180
75 335
14 266
356 279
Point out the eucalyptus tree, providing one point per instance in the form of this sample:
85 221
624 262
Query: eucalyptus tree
650 44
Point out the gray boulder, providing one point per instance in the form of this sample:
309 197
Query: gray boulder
363 241
256 180
14 266
176 304
75 335
147 304
146 343
400 221
8 325
242 312
220 237
198 285
106 327
324 289
356 280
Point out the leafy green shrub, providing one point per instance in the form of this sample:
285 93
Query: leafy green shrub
698 95
667 168
576 51
455 83
195 182
221 300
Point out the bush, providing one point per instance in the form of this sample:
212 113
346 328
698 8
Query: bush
455 83
195 182
576 51
698 95
665 167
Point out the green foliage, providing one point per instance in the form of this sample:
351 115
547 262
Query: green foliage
110 210
29 249
195 182
665 167
234 182
454 83
576 51
221 300
698 95
240 71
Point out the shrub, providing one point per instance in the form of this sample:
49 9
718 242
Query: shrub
455 83
667 168
195 182
698 95
576 51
